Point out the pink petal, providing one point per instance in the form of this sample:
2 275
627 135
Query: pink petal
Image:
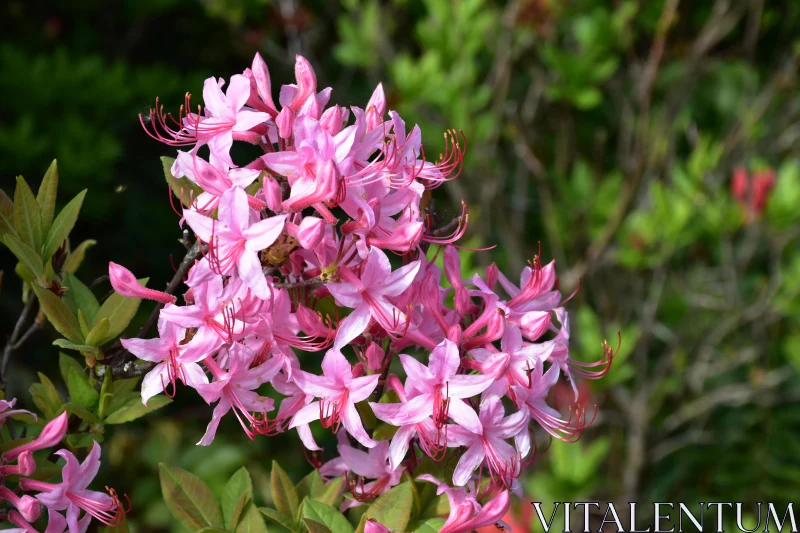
362 387
463 415
467 464
352 423
352 326
444 361
263 234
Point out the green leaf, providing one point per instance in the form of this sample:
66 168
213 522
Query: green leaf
251 521
75 257
27 255
183 189
331 492
83 348
99 333
432 525
326 515
121 386
278 517
189 500
317 527
83 440
134 408
62 226
237 494
283 492
59 315
65 363
82 413
310 486
46 397
26 215
81 393
79 296
119 310
46 197
393 509
7 224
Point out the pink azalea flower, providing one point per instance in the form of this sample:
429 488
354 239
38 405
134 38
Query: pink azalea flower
235 389
513 363
338 391
225 114
311 168
175 360
368 296
372 465
72 495
436 390
431 439
215 178
466 513
489 443
533 399
234 240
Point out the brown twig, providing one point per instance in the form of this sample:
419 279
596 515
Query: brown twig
18 337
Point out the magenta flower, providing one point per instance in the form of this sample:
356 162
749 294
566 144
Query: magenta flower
175 360
338 391
225 114
431 439
72 494
373 472
235 389
436 390
234 240
215 178
368 296
489 443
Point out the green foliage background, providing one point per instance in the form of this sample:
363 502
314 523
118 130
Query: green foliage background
606 131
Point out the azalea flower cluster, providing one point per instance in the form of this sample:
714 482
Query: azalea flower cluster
311 222
71 496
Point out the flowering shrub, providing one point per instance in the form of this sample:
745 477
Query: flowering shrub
434 384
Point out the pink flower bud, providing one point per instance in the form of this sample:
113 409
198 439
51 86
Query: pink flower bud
309 233
25 466
332 120
372 526
375 357
125 283
739 184
51 435
306 82
376 107
260 85
285 121
29 507
491 275
272 192
762 185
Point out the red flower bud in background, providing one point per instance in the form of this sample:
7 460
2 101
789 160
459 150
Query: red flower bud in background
752 192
